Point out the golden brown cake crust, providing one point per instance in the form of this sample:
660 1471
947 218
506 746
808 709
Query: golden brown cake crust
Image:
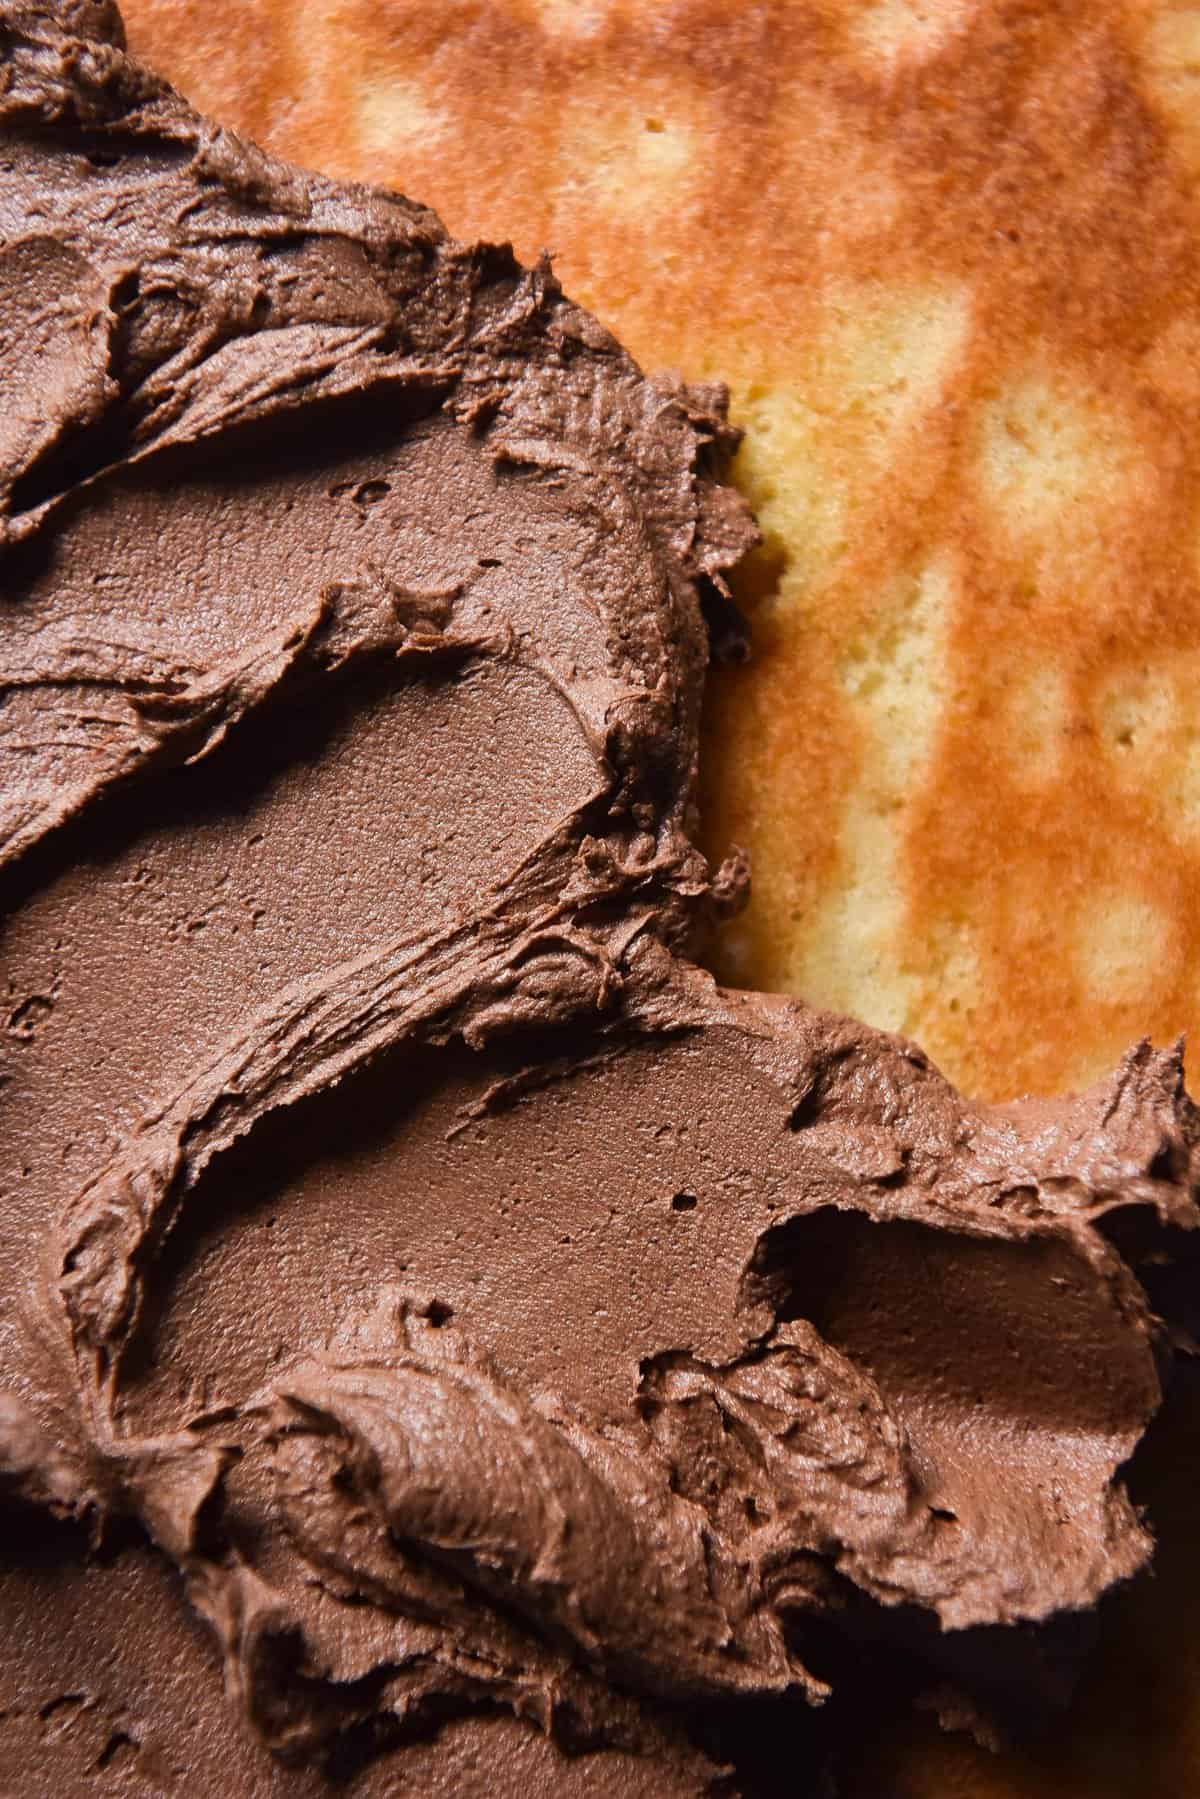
948 257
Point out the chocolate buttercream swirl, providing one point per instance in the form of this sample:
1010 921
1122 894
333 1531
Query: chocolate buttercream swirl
479 1307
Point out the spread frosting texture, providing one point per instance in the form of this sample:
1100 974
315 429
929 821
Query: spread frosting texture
492 1325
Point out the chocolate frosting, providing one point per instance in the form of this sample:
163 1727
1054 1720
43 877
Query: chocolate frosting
485 1314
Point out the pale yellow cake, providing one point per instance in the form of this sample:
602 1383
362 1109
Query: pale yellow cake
947 255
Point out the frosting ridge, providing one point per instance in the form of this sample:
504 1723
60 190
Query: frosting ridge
479 1308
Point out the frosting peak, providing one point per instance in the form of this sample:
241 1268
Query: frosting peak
486 1315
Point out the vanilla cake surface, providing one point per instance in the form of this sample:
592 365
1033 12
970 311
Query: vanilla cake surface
947 257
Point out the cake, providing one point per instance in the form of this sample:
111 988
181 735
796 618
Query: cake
512 1358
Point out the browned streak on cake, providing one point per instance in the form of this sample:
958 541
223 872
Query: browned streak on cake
948 259
1021 890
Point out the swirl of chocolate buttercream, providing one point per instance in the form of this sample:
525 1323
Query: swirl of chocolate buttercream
351 659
